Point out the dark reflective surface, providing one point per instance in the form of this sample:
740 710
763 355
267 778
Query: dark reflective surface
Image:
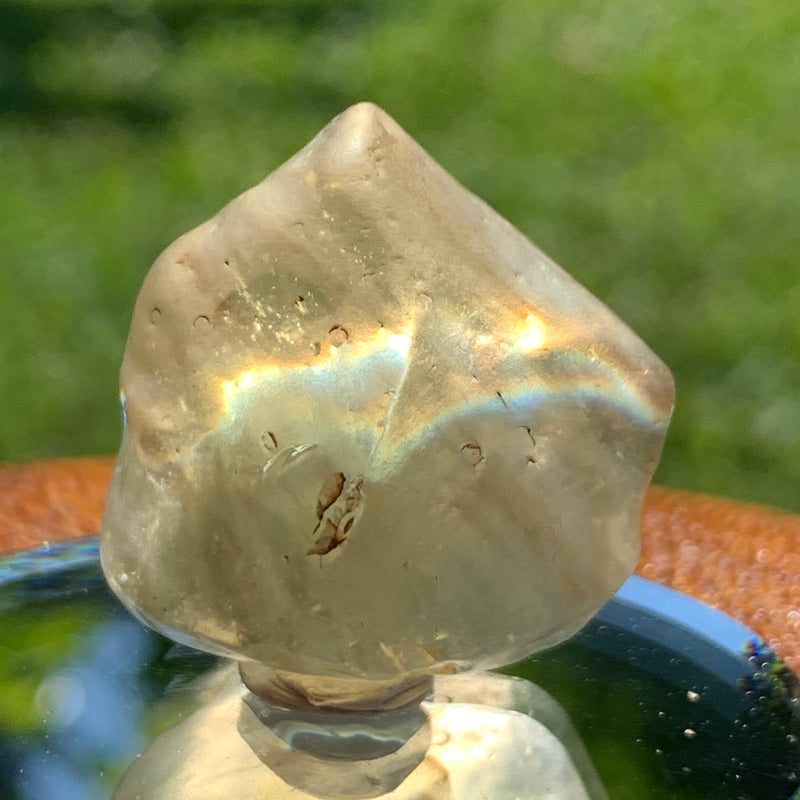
665 713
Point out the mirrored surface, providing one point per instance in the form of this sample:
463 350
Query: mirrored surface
672 699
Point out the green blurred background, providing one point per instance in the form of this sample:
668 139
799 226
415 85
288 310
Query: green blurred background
651 148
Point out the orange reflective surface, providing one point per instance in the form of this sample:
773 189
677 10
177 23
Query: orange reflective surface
743 559
47 501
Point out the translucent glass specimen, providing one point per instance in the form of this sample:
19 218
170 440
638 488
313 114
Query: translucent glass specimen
372 430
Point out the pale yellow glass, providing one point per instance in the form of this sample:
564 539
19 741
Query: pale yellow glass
374 434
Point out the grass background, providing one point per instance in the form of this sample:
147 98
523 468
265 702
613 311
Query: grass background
650 147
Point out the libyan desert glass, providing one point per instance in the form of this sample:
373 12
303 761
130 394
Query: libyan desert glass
374 438
372 430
